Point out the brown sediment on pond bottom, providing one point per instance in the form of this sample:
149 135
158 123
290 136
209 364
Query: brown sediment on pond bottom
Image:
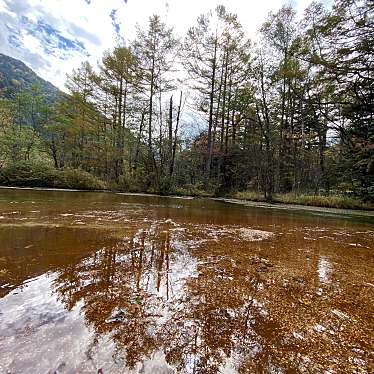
198 287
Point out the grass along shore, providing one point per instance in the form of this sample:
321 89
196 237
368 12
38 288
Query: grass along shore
332 201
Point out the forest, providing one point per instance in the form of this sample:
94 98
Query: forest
286 117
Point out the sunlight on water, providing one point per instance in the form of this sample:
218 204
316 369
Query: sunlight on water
324 269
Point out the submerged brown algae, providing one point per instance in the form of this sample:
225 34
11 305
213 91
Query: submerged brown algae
147 284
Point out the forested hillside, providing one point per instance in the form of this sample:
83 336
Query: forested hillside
291 112
16 77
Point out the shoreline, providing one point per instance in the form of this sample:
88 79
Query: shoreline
298 207
229 200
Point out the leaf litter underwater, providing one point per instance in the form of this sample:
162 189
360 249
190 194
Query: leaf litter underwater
109 283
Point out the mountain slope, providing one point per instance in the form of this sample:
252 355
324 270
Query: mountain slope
15 76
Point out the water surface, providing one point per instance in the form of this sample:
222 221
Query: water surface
111 283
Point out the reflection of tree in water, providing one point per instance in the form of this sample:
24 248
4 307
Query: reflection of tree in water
227 308
215 322
124 289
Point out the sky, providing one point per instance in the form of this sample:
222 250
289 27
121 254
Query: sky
54 36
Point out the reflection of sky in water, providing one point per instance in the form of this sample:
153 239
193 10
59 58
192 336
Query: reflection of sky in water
324 269
176 289
60 341
33 317
168 280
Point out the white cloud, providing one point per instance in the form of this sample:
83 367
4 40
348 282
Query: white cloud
83 29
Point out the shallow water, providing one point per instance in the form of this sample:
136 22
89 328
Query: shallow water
111 283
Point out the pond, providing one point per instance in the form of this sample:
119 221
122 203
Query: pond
113 283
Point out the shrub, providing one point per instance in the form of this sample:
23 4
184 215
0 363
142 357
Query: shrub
166 187
31 174
130 183
79 179
192 190
28 174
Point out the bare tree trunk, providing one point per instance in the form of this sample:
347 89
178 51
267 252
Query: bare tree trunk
224 104
228 118
171 166
211 101
138 142
150 152
160 150
233 122
170 128
266 134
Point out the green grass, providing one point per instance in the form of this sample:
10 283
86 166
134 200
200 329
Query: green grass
191 190
333 201
249 195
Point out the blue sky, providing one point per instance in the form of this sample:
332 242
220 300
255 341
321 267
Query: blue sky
55 36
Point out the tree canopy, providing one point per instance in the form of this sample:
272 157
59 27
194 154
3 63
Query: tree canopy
291 112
